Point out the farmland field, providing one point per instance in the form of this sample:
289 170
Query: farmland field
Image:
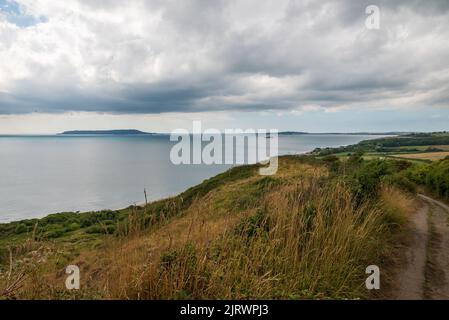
433 156
423 148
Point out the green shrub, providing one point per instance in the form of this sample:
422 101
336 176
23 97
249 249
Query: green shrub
101 229
366 180
401 181
110 229
254 224
21 228
333 162
72 227
94 229
168 258
309 216
434 176
356 158
55 233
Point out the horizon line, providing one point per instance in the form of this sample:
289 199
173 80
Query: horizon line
389 132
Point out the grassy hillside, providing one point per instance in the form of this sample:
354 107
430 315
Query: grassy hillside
308 231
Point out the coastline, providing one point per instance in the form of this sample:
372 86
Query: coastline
140 203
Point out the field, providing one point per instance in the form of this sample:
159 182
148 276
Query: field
408 143
432 156
427 154
424 148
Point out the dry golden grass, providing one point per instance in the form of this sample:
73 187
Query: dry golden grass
441 147
433 156
296 234
398 208
398 201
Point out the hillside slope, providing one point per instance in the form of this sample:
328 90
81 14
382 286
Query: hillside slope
305 232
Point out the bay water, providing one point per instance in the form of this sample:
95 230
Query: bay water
40 175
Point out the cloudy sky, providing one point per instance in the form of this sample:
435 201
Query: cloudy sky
156 65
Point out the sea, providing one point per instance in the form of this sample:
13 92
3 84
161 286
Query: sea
40 175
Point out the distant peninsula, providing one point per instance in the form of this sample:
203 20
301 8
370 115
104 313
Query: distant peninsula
106 132
282 133
293 133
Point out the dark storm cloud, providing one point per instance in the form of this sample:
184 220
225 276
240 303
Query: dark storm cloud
131 99
167 56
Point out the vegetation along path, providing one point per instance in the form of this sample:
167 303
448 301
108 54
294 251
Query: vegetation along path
426 272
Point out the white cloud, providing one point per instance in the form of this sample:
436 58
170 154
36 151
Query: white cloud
166 56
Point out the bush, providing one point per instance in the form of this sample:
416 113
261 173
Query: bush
434 176
253 225
356 158
86 220
332 161
95 229
330 158
400 181
168 258
55 233
367 178
72 227
108 229
21 228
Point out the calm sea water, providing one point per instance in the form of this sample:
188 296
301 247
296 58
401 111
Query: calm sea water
40 175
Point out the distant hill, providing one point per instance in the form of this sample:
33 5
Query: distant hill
104 132
291 133
282 133
393 144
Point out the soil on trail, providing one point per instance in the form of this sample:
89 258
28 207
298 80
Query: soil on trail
425 274
411 278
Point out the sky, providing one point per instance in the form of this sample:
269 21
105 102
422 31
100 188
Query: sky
157 65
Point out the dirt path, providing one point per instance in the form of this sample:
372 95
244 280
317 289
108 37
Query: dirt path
425 274
411 279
